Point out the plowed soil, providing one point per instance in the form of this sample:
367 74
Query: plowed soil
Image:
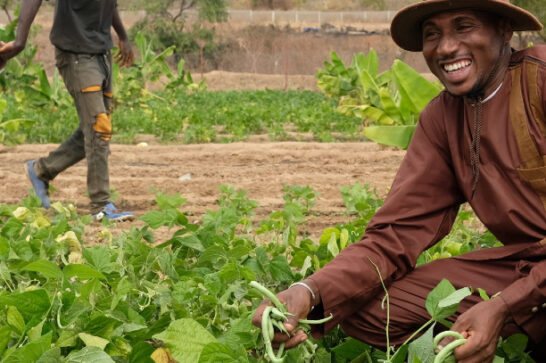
257 166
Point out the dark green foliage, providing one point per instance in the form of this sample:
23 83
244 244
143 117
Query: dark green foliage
166 25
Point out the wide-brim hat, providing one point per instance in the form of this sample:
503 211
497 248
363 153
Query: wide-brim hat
406 25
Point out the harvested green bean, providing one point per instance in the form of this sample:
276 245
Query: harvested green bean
280 351
316 322
271 296
276 313
279 325
265 324
274 317
448 349
448 333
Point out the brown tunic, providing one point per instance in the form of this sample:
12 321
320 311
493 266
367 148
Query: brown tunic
434 179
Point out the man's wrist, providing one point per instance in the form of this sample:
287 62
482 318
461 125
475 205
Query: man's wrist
316 293
312 289
504 309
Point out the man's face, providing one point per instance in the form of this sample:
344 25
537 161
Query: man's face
461 48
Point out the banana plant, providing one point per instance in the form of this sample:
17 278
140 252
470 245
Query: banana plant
132 82
51 93
388 102
9 129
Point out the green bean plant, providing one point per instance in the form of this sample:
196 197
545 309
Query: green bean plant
188 297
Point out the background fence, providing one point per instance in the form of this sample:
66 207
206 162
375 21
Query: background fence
296 17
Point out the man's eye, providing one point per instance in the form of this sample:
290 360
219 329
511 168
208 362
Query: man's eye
430 34
465 27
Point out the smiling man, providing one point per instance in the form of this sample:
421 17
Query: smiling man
482 141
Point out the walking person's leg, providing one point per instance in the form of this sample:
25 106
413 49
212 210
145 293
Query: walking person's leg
43 170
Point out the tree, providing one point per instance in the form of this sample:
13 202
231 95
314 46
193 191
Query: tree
6 5
537 8
166 25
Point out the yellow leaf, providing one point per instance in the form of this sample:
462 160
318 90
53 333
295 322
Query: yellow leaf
40 222
71 240
162 355
22 213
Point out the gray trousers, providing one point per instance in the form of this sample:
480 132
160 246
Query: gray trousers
88 78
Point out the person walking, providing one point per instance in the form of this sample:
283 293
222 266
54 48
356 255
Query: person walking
482 141
81 34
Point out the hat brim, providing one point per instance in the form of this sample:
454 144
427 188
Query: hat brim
406 25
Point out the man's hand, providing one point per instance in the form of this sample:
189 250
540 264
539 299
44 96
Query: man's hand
298 302
8 51
125 56
480 326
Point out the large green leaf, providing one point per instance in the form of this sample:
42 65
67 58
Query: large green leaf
154 218
400 355
83 272
5 335
32 305
422 348
185 338
218 352
366 112
190 241
15 320
30 352
367 81
93 340
368 62
51 356
351 349
390 135
280 269
415 90
455 297
47 268
99 257
141 353
435 305
15 124
390 107
89 355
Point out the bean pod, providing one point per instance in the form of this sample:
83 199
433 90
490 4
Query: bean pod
274 317
448 349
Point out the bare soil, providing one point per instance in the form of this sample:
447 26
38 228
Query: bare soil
195 171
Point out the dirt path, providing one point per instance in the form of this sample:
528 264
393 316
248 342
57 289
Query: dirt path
260 168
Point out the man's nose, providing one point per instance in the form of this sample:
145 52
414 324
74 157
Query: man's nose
447 46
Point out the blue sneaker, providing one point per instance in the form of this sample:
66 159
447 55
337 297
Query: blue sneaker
112 214
40 187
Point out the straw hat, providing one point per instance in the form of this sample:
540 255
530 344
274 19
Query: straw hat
406 24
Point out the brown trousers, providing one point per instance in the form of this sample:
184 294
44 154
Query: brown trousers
88 79
408 295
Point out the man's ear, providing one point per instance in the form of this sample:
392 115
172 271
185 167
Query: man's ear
507 30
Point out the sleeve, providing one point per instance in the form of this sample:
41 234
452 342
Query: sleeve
526 300
419 211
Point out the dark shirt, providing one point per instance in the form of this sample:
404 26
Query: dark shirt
83 26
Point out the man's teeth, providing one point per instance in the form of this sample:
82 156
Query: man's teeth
456 66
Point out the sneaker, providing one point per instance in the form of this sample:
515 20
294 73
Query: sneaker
40 187
112 214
